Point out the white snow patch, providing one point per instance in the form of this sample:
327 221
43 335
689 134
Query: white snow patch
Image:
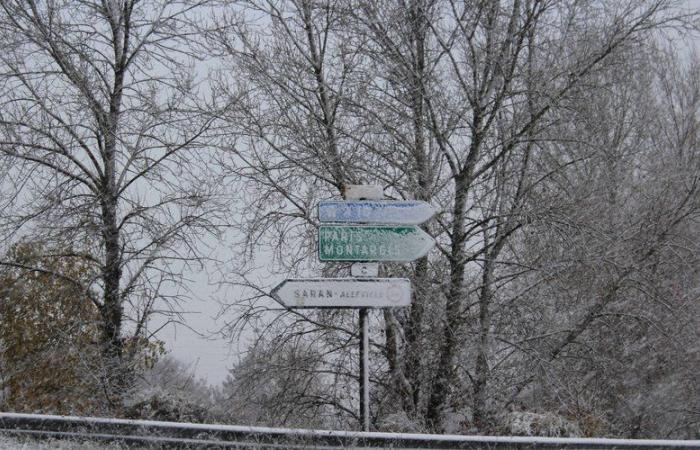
534 424
23 443
399 423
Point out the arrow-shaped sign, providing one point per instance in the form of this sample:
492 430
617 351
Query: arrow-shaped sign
343 292
372 243
411 212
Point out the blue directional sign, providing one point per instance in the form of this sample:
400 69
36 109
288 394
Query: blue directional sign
411 212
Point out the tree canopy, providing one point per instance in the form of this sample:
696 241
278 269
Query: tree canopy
558 139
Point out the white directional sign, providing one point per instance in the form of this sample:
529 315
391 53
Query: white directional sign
343 292
411 212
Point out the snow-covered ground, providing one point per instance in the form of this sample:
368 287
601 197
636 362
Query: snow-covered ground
14 443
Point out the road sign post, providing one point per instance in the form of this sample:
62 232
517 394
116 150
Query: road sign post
362 193
360 233
364 368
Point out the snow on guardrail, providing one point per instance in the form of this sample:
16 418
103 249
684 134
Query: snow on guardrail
150 432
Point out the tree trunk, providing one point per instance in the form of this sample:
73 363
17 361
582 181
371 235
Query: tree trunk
445 371
415 357
112 311
482 371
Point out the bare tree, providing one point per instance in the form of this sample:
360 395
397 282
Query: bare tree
462 104
291 392
398 48
487 85
101 116
599 266
293 125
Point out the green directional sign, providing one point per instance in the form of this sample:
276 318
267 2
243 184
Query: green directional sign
372 243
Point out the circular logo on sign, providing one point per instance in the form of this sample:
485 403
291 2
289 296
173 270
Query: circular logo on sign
393 294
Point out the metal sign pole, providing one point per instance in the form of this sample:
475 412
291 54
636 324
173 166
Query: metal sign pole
364 369
363 270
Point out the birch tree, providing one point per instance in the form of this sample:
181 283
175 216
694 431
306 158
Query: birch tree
101 118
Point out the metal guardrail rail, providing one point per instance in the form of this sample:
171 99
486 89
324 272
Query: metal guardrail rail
153 434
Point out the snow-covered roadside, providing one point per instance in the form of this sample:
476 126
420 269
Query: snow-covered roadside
14 443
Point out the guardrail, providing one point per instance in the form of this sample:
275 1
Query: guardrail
190 435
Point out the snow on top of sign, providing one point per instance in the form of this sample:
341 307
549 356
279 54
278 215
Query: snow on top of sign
409 212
